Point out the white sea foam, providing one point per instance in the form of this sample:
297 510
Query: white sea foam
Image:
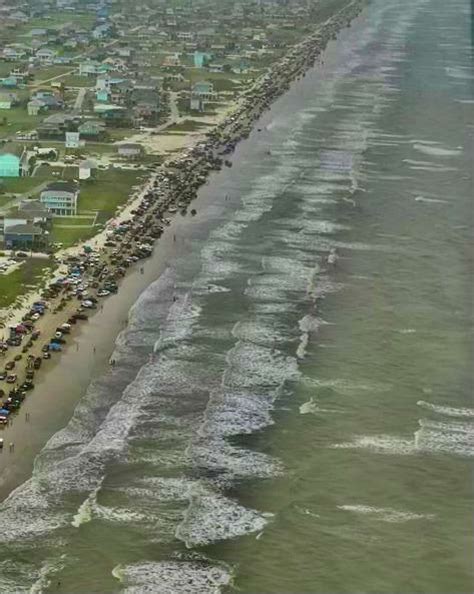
46 572
449 438
262 331
253 366
309 407
84 513
237 412
459 72
436 151
219 456
177 577
212 517
430 200
308 325
449 411
348 387
380 444
385 514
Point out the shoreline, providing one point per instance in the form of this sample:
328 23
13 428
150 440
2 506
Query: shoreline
174 186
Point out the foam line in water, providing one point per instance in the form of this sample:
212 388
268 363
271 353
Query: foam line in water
380 444
385 514
435 151
449 411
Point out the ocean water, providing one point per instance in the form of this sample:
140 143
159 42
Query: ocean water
306 422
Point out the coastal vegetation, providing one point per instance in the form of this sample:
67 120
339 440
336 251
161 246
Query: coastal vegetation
29 275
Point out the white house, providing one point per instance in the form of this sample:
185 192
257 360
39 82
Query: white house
85 168
45 55
60 198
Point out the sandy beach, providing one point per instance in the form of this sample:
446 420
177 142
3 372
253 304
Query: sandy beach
61 382
63 379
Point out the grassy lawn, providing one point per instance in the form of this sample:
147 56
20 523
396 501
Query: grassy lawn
58 19
74 80
70 236
103 194
19 185
5 68
5 200
95 148
17 119
109 190
84 221
186 126
50 72
19 282
120 133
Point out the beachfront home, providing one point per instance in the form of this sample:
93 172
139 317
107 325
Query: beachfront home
33 210
13 53
92 67
21 74
91 128
203 89
201 59
60 198
129 150
24 236
101 31
8 100
34 106
10 82
57 125
45 55
196 103
12 160
85 168
50 99
25 226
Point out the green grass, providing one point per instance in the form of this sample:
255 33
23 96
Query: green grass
50 72
94 148
120 133
74 80
19 185
69 237
17 119
5 200
73 221
5 68
104 194
19 282
186 126
109 190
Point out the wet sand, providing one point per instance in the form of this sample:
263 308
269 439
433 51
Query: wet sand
63 380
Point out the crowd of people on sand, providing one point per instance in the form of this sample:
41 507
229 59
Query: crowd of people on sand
95 273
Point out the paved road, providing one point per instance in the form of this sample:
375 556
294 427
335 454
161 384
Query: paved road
79 100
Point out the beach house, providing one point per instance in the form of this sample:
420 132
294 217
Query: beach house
60 198
12 160
203 89
26 226
129 150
